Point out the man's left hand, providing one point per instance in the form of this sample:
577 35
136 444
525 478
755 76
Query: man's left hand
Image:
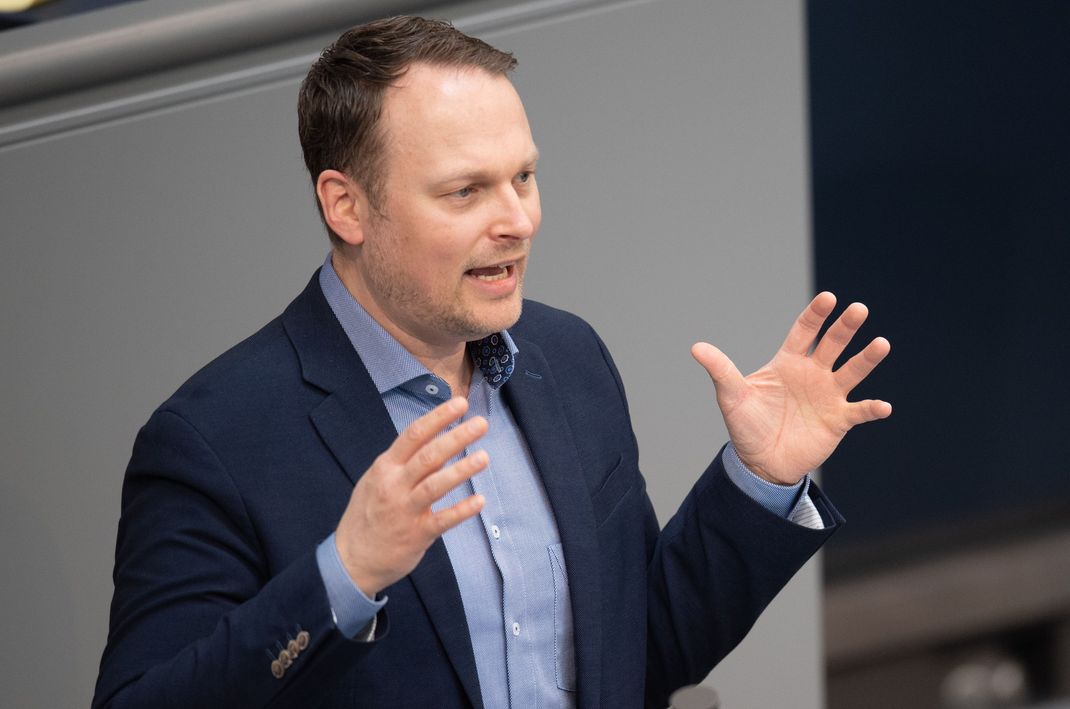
786 418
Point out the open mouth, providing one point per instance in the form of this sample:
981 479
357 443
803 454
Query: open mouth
492 273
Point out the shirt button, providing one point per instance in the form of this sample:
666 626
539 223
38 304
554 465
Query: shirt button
516 628
431 389
495 531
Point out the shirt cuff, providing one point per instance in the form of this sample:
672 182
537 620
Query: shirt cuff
781 500
352 610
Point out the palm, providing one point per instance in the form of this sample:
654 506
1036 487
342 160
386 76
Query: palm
786 418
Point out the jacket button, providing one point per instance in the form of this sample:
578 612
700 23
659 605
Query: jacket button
285 658
303 639
293 648
277 670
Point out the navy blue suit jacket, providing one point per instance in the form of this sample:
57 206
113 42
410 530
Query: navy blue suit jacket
238 476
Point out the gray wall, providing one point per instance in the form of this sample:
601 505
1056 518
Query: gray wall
151 222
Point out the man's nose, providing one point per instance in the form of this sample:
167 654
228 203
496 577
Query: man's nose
516 215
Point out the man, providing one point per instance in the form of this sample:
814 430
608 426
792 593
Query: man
405 492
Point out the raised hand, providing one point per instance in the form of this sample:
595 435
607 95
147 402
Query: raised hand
786 418
388 524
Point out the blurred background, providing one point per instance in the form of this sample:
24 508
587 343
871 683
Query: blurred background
913 155
940 157
16 13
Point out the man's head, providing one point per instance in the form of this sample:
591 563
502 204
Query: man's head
432 216
341 99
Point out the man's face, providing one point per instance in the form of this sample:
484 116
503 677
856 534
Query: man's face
445 261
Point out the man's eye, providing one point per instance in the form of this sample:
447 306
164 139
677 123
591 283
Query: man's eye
523 177
464 192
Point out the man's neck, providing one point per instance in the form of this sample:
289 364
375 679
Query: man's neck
448 361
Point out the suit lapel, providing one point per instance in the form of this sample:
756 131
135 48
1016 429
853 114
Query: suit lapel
537 407
355 425
438 590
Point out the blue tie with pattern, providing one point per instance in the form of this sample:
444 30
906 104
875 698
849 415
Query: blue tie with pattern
493 359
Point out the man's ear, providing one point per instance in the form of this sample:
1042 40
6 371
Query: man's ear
344 205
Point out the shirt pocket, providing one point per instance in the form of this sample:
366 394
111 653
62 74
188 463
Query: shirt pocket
564 645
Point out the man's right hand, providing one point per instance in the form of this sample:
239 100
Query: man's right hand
388 524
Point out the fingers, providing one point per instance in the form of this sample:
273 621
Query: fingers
858 367
433 455
433 487
835 339
868 410
726 377
804 331
424 429
444 520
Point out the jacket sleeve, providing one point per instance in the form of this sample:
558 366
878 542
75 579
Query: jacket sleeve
197 619
712 570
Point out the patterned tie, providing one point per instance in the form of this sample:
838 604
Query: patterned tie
492 358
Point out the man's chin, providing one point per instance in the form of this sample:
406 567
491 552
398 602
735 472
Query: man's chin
503 317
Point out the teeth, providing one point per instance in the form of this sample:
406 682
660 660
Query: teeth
502 273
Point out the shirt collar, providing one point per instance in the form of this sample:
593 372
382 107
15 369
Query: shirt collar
387 361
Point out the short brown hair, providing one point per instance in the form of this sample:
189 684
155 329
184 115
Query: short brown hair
341 99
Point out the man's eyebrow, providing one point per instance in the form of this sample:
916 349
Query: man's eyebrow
470 176
483 175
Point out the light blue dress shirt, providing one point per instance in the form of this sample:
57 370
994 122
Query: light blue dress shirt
508 560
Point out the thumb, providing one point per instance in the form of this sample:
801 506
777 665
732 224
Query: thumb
726 377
